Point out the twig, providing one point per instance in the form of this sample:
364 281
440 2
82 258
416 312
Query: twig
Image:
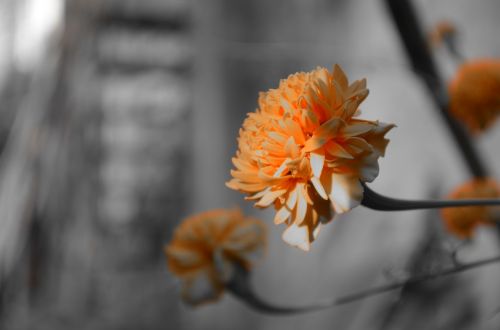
242 290
407 24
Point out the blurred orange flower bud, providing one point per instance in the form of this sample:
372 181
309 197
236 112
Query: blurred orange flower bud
208 248
462 221
475 94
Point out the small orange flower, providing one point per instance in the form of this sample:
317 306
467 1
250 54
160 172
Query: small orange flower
305 151
462 221
442 30
475 94
206 248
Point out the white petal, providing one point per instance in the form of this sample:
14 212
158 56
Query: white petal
316 231
292 198
319 187
383 127
259 194
346 193
317 161
282 215
285 105
270 197
306 246
297 236
300 212
281 169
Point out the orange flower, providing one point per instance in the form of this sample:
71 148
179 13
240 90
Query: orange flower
475 94
462 221
442 30
206 248
305 151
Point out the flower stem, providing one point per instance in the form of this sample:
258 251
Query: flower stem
243 290
375 201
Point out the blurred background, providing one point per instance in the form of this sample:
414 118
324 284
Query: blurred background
119 117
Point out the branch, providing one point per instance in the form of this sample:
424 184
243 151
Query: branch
240 288
407 24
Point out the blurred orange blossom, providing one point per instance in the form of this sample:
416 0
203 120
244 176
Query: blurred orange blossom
475 94
305 151
206 248
462 221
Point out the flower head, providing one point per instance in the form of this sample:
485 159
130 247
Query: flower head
305 151
475 94
206 248
462 221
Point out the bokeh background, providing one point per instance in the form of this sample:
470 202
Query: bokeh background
119 117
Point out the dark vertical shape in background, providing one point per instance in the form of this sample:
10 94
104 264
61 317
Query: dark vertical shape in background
407 24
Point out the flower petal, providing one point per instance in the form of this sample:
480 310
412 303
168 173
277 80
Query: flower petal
269 198
357 129
297 236
184 257
319 187
337 150
316 231
281 169
224 268
377 137
346 192
291 148
200 289
340 76
358 145
282 215
317 162
286 106
370 168
323 134
295 131
277 136
292 198
300 211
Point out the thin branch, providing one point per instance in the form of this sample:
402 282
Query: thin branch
406 21
407 24
375 201
241 289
